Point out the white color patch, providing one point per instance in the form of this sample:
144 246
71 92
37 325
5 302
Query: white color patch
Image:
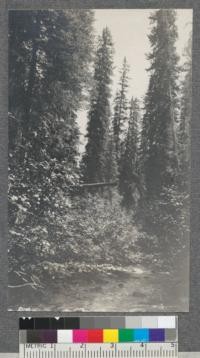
166 322
64 336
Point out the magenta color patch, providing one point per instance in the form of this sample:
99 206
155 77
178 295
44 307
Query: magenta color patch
80 336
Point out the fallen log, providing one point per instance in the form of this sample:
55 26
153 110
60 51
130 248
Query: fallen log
91 185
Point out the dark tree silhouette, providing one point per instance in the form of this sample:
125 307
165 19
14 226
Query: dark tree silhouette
120 117
129 179
158 145
94 160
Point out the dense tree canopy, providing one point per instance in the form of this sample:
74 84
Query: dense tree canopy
119 197
49 57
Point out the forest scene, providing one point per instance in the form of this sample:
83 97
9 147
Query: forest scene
99 159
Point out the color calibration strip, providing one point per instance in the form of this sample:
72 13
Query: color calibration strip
98 336
99 322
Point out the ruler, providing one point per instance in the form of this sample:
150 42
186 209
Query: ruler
110 350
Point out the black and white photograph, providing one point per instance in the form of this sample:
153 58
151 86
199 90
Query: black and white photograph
100 108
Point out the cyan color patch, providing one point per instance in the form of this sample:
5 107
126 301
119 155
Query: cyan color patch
141 335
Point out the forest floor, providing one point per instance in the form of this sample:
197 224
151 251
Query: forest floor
135 289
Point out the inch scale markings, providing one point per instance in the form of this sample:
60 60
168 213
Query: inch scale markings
109 350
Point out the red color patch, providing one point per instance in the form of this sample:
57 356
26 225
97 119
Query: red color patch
95 336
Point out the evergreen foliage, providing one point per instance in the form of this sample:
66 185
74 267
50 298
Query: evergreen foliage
120 118
47 49
124 201
158 144
111 168
99 113
129 161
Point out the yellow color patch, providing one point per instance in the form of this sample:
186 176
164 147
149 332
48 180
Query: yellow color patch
110 336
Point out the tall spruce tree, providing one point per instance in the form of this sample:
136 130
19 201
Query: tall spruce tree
50 53
185 118
120 118
111 167
46 51
158 145
129 163
94 159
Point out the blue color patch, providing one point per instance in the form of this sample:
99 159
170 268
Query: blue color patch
141 335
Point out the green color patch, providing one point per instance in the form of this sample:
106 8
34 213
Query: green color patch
125 335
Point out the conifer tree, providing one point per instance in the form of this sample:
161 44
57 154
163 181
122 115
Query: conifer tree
94 159
120 117
111 167
50 53
46 51
158 145
129 165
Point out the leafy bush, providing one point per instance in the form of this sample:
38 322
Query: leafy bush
165 222
85 230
